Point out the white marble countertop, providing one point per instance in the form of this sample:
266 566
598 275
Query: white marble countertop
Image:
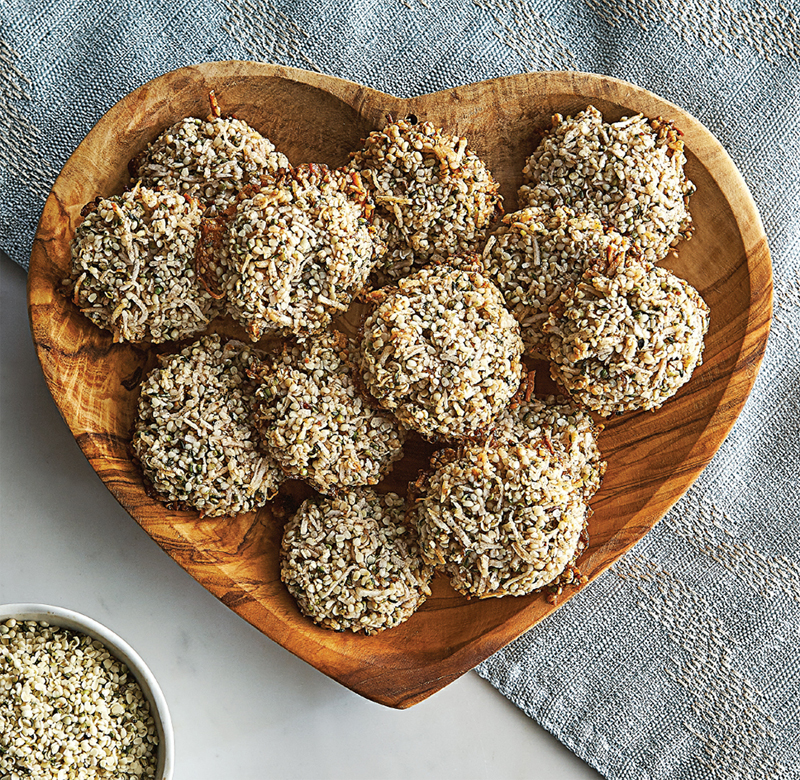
242 707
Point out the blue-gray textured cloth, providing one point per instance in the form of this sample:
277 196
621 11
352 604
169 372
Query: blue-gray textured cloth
682 661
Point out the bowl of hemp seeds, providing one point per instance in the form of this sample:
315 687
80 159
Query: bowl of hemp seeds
77 701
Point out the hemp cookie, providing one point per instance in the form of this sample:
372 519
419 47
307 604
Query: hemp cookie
627 337
194 435
442 352
295 251
536 253
566 430
500 519
434 196
211 160
629 173
352 562
133 270
316 423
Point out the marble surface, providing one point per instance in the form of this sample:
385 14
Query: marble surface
241 705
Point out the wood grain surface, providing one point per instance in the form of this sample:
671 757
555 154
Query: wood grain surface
653 457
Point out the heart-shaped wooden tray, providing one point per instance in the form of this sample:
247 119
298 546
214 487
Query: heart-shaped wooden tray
652 457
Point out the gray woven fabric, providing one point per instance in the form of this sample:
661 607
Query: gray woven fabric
683 660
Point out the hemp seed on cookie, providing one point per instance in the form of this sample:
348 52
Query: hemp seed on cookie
537 252
500 519
210 159
566 430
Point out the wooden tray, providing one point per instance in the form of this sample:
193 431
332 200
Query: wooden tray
652 457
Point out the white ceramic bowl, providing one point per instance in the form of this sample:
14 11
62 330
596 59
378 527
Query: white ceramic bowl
120 649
